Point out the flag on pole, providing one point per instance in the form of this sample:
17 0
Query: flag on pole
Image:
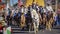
41 3
0 0
19 3
29 2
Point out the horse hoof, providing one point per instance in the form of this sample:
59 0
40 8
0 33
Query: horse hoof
36 30
42 31
50 29
35 33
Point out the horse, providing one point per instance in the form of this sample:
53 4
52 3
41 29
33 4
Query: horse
50 21
22 21
16 17
35 19
38 10
29 21
44 20
9 17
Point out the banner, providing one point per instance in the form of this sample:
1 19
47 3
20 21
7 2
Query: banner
28 2
7 30
39 2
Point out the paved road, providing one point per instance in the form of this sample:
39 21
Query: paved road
54 31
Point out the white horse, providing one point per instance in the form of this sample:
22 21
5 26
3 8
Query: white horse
35 19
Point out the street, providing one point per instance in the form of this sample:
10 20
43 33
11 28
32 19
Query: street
55 30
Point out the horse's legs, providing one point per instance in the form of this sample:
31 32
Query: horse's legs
48 25
22 23
34 27
37 24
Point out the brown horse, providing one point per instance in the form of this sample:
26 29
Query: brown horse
44 19
22 23
50 21
40 18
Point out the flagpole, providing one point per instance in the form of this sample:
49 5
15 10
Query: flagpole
56 6
7 4
12 2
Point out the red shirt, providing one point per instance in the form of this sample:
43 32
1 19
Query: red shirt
1 27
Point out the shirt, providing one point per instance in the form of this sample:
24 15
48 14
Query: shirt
49 8
22 10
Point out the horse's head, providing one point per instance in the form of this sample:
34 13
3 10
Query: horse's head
34 11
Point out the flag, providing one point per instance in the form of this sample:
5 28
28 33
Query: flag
19 3
8 30
41 3
0 0
28 2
